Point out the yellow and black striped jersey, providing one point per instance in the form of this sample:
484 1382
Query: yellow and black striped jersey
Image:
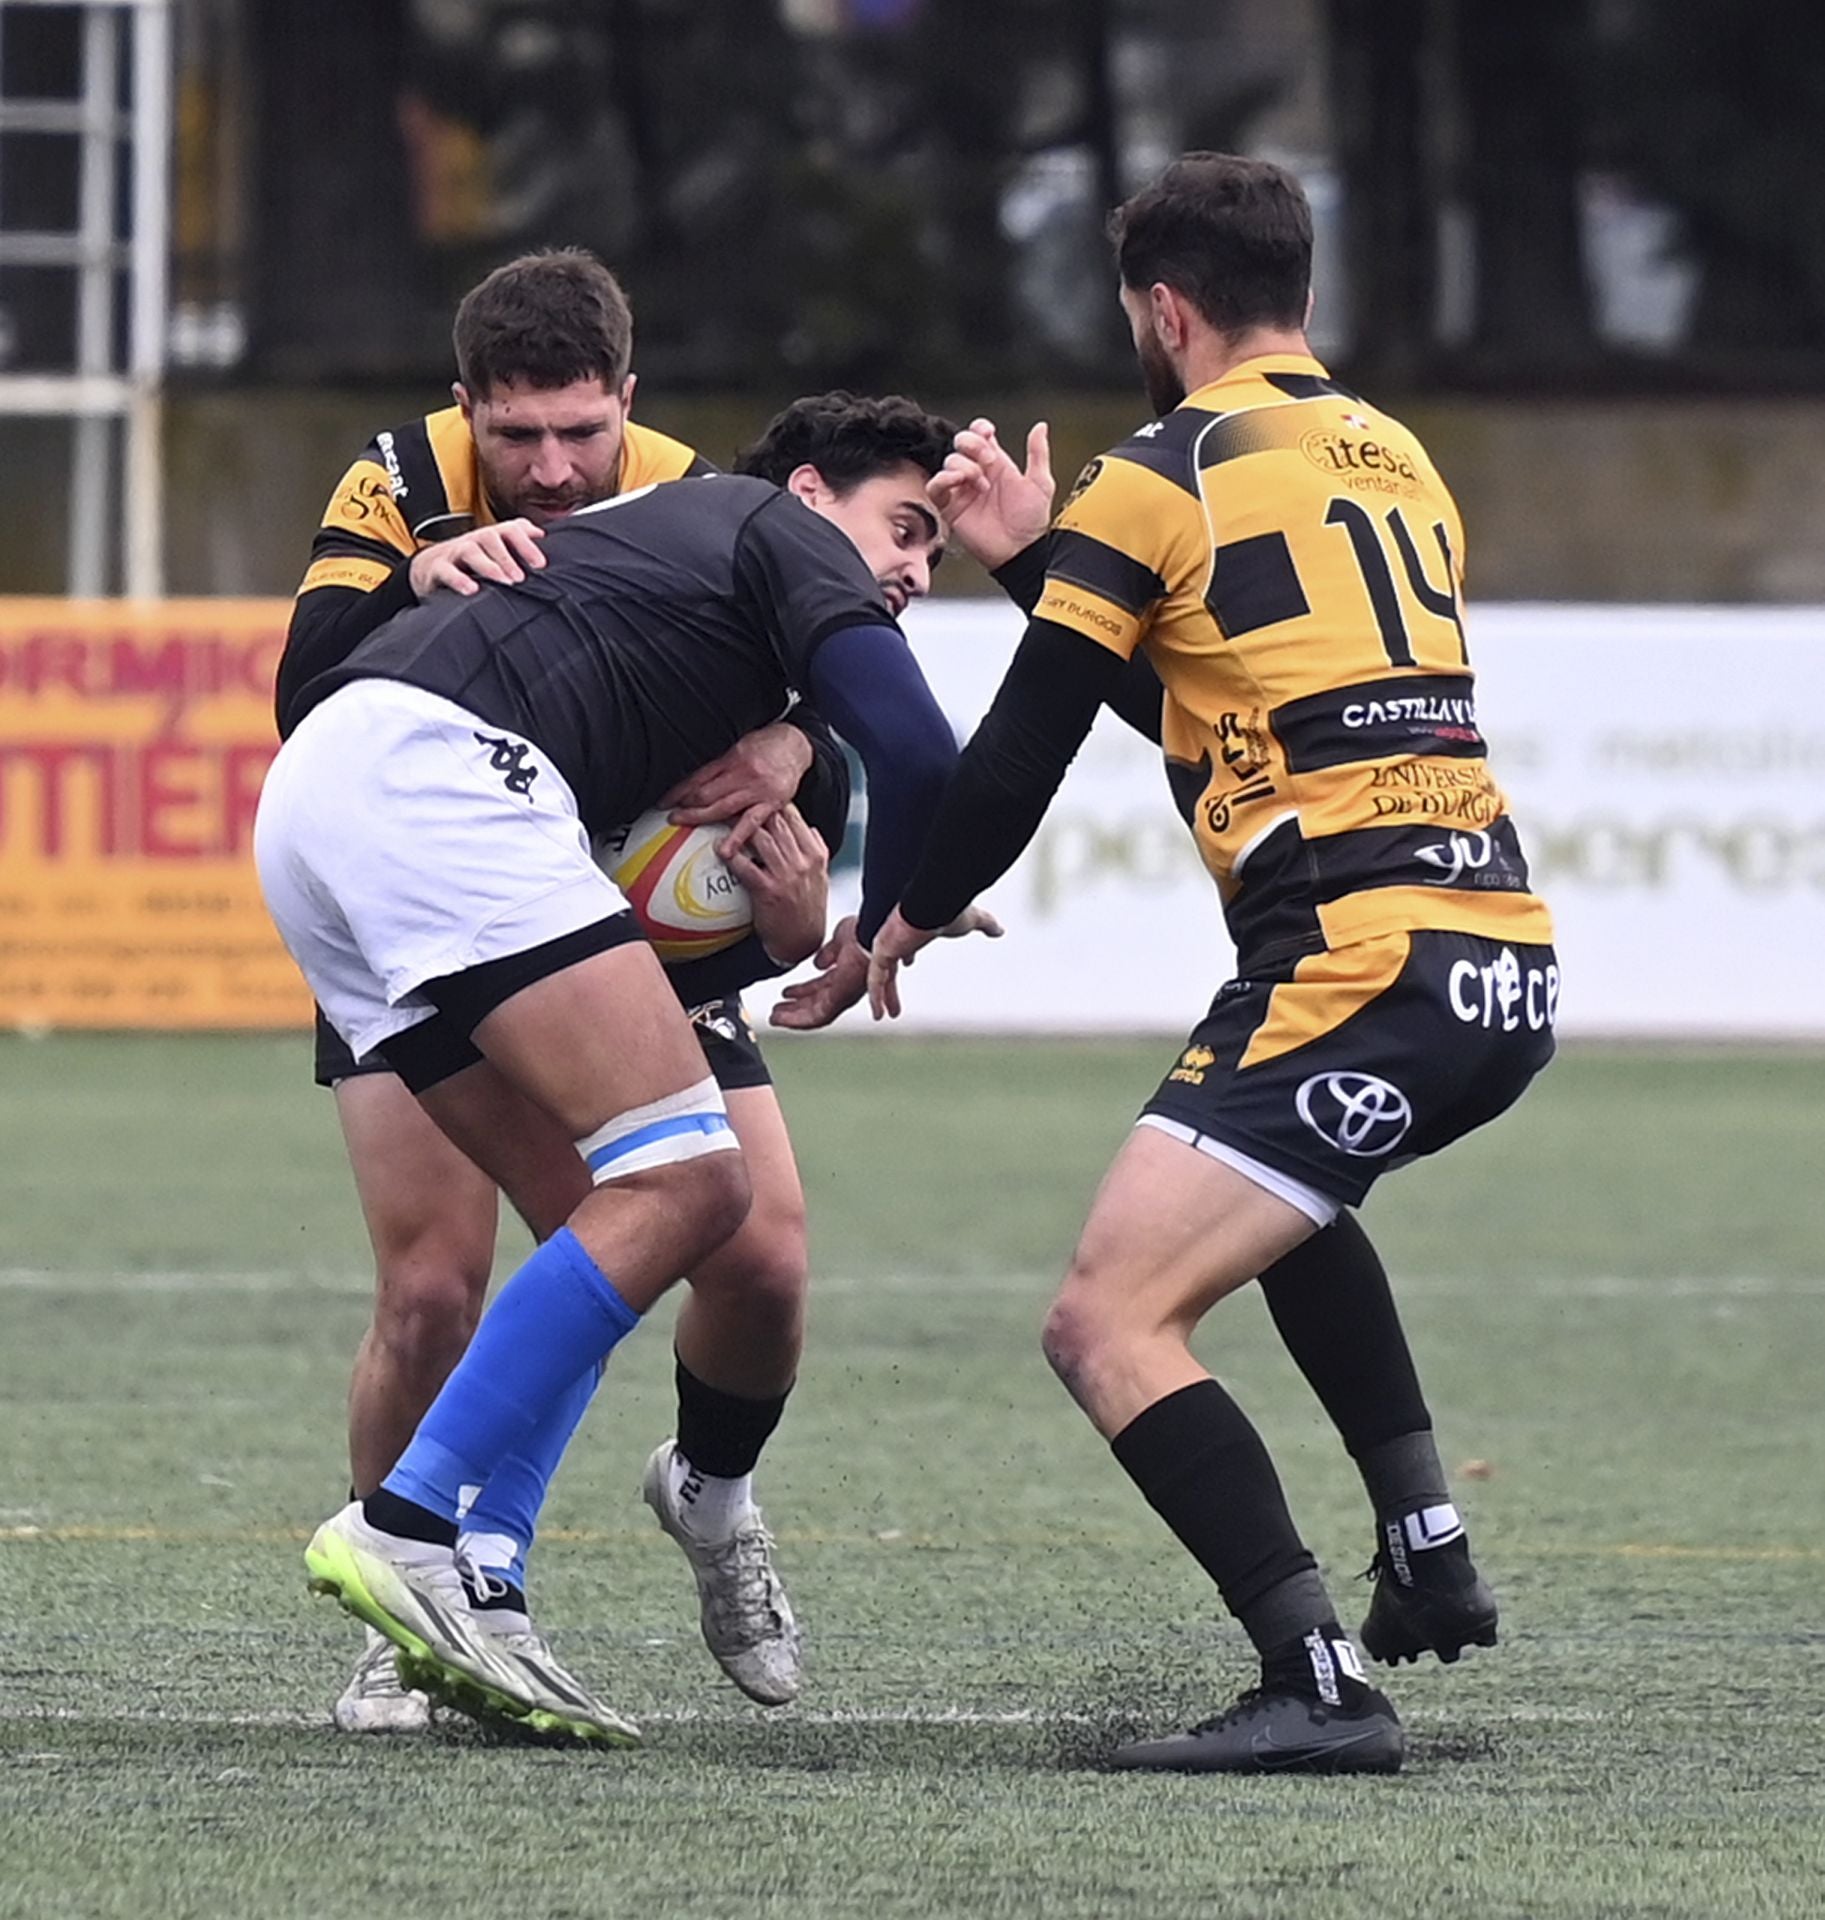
1292 565
412 487
418 484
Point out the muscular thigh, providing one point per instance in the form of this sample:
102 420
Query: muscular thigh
1172 1230
596 1039
414 1183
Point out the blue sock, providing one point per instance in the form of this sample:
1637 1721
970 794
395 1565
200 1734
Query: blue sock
498 1529
558 1317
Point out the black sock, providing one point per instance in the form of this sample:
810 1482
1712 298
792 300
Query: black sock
722 1433
407 1519
1205 1472
494 1593
1321 1665
1331 1301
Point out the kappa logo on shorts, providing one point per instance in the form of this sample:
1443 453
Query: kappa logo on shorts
1357 1113
509 757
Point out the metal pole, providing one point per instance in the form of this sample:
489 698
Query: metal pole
88 568
145 570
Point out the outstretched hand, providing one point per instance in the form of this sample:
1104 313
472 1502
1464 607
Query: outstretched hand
842 979
898 942
992 506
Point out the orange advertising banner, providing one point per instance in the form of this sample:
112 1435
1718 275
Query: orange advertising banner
133 740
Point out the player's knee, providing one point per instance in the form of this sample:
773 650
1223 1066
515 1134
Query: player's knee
427 1305
775 1250
680 1145
764 1271
1077 1330
717 1194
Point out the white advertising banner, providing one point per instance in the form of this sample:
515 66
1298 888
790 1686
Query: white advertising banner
1666 766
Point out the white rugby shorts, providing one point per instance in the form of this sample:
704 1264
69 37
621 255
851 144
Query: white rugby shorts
399 838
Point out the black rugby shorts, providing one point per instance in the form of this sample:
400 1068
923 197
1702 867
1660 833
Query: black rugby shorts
1352 1062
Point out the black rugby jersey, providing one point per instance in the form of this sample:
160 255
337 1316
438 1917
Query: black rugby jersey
664 625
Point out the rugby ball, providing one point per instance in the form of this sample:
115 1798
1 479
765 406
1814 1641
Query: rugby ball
687 902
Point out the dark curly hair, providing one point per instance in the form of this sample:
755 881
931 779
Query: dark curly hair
545 320
849 439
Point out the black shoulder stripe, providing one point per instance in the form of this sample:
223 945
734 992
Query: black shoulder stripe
1084 561
412 472
1164 446
1309 386
698 468
1254 430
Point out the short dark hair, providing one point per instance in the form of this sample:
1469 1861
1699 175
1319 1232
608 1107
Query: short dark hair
1233 235
849 439
545 319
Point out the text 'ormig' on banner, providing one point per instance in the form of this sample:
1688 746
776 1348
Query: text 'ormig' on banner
133 740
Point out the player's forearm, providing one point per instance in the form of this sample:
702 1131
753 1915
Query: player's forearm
1010 770
327 625
903 802
867 681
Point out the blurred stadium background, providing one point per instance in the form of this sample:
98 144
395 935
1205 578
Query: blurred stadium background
1580 246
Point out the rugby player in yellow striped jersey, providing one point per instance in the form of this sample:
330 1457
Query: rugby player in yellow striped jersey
540 427
1288 560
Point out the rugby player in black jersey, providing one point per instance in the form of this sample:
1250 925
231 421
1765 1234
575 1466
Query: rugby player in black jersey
1291 562
425 846
540 427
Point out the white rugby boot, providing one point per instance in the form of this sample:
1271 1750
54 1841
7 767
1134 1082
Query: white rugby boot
747 1620
411 1592
569 1710
376 1700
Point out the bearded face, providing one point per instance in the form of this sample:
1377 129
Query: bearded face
1165 390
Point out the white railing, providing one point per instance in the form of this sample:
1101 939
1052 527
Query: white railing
110 379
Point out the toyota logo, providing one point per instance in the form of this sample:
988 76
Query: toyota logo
1357 1113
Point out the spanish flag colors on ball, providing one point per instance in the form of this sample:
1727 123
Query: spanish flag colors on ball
687 902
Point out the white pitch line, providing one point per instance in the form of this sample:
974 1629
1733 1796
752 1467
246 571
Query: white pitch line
1438 1286
1520 1715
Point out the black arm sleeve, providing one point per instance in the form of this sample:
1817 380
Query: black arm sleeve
1011 769
1023 579
1138 697
1138 694
867 681
327 625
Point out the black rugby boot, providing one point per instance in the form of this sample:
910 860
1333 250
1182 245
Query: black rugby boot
1431 1602
1279 1730
1312 1713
